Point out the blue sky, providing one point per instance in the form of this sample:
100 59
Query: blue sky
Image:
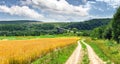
57 10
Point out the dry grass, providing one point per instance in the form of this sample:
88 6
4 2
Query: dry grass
25 51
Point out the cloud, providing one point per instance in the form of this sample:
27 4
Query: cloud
113 3
58 7
21 11
61 10
84 1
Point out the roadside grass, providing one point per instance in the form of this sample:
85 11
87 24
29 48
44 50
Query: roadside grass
98 51
85 59
58 56
111 49
107 50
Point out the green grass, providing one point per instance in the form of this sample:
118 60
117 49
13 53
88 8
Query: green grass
58 56
98 51
85 59
31 37
25 37
83 46
111 49
103 49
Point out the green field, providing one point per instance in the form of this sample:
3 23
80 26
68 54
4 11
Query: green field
31 37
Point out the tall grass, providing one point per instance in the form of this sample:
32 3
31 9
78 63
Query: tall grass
108 50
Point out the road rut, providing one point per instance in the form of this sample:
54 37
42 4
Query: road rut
76 55
94 59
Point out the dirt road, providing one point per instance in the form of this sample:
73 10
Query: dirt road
76 55
94 59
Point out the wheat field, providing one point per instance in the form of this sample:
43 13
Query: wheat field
26 51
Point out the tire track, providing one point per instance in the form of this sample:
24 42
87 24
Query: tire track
76 55
94 59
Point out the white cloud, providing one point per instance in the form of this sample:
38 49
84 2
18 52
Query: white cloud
58 7
113 3
21 11
97 16
25 2
84 1
59 10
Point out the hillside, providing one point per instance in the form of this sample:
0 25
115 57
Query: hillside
89 25
35 28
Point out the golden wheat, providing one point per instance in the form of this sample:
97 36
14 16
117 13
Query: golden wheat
25 51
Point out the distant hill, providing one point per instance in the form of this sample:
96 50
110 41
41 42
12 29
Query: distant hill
89 25
19 21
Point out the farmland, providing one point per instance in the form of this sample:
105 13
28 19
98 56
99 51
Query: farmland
26 51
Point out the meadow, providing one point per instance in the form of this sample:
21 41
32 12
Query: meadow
26 51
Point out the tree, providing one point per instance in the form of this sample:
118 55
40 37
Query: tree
75 30
97 32
116 26
107 33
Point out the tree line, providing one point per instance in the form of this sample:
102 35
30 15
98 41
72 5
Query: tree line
111 31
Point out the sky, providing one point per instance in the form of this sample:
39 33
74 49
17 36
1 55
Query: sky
57 10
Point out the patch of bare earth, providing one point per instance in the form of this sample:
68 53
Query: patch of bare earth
76 55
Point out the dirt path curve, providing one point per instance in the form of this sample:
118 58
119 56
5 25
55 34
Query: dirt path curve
94 59
75 57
